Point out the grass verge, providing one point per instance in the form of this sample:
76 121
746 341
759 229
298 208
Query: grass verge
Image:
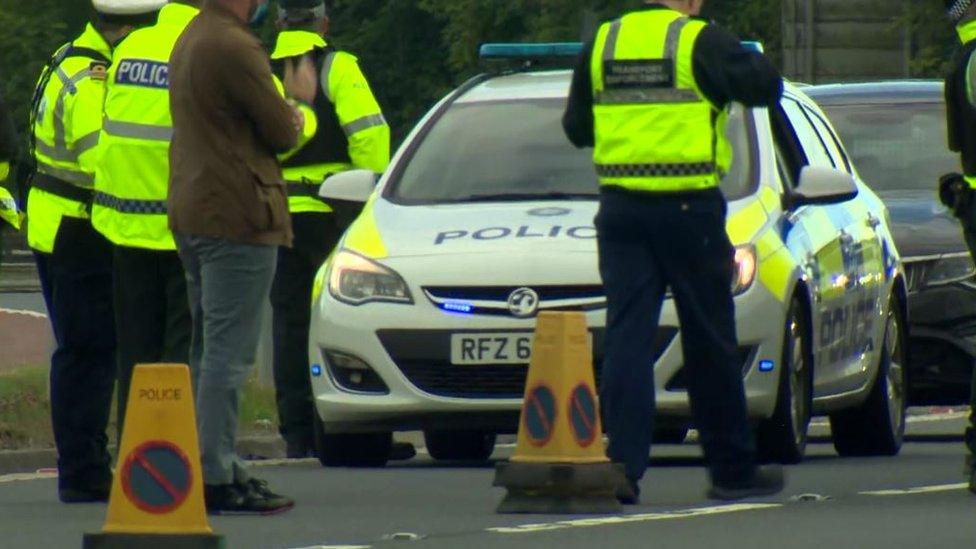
25 410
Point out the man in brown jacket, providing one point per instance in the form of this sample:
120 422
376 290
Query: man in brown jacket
229 212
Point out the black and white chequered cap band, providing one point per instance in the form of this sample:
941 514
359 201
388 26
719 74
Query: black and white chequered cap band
959 9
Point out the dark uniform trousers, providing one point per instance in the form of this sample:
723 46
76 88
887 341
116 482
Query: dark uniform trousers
316 234
647 244
968 220
79 279
152 313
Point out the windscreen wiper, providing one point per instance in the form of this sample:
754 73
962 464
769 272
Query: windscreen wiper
514 197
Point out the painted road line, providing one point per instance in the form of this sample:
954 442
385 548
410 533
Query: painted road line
628 519
336 547
23 477
917 490
22 312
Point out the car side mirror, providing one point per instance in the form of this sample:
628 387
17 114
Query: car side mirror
351 186
819 185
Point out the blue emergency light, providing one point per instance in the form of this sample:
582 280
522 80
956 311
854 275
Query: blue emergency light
531 51
754 46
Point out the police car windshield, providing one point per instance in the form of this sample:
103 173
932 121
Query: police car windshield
513 150
895 146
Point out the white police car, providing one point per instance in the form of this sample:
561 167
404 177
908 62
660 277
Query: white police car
423 315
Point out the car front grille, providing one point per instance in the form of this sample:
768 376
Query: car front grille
915 272
423 356
493 300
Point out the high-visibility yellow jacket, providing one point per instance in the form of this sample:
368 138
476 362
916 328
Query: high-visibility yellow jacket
67 120
352 132
132 177
8 208
654 130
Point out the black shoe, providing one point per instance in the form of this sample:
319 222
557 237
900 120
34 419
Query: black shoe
630 494
767 480
249 498
84 495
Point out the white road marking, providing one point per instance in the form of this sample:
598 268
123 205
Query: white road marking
917 490
22 312
22 477
336 547
627 519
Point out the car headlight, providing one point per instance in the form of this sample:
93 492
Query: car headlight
355 280
744 270
950 269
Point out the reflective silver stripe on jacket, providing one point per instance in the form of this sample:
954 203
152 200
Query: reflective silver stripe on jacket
363 123
81 179
69 85
58 154
327 73
135 130
655 170
130 206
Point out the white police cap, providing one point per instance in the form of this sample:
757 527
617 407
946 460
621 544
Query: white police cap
127 7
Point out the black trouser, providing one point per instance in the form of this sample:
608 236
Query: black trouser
152 313
79 278
969 232
648 243
291 294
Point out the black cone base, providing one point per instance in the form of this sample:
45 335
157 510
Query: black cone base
153 541
560 489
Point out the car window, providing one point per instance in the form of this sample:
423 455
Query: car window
834 148
813 145
895 146
515 149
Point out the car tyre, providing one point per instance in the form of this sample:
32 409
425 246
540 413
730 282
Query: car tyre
460 445
352 449
783 437
877 427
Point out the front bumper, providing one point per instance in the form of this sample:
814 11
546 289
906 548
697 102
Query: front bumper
942 344
407 347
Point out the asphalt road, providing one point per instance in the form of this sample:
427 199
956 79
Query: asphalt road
915 500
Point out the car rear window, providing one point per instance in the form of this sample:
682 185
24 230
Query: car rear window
895 146
516 148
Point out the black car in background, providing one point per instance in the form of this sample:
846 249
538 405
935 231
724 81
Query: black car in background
895 133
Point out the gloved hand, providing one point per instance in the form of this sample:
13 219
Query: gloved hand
955 193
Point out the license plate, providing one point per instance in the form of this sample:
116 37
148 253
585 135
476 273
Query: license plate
493 348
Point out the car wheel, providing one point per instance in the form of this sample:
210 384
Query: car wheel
670 435
783 437
877 427
460 445
352 449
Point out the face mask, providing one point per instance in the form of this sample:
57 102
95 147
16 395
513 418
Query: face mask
259 16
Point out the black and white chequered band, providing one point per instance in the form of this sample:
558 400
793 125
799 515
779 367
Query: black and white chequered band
959 9
655 170
129 206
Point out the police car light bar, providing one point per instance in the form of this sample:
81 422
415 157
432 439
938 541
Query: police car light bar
531 51
754 46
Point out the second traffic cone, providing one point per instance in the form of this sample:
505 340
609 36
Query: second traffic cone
560 465
157 493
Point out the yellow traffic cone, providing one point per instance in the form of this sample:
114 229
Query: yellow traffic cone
157 492
560 465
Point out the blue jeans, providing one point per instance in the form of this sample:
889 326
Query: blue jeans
228 283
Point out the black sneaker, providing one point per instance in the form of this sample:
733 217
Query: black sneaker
630 494
767 480
97 494
249 498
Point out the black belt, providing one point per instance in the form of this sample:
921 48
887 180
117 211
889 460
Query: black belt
58 187
306 188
